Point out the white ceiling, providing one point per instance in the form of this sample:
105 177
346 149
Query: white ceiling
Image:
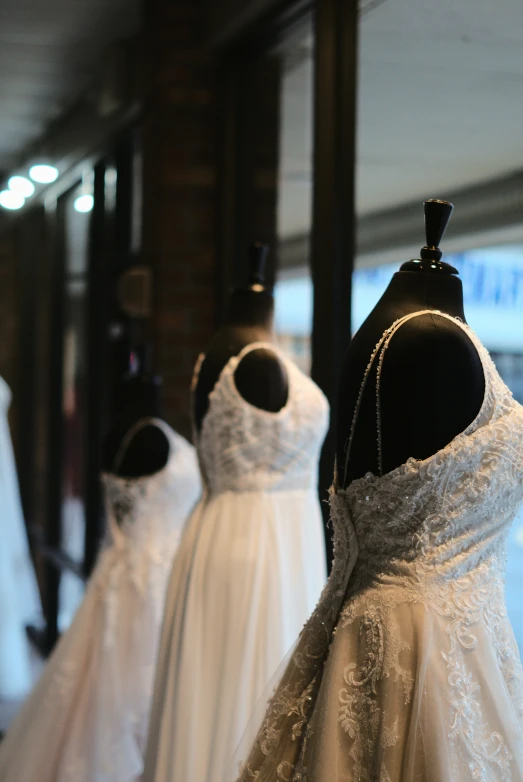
440 105
440 92
49 50
440 97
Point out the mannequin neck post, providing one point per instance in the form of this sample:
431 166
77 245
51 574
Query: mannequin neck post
414 290
140 398
251 308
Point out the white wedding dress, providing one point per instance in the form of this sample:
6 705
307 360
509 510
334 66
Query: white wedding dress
248 572
86 720
408 670
19 595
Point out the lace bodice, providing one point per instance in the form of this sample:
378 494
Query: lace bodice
245 448
150 510
448 513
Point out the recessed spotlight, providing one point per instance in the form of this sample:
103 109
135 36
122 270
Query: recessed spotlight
11 200
84 203
21 185
43 174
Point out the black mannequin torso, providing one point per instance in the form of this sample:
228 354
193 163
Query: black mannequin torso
148 450
260 377
432 382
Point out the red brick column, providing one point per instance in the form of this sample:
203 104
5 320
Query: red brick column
179 213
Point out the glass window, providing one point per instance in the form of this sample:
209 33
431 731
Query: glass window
293 101
293 317
74 401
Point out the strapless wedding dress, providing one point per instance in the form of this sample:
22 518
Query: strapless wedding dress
248 573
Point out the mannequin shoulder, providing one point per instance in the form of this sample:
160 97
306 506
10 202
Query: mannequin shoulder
433 336
147 453
432 356
261 379
150 436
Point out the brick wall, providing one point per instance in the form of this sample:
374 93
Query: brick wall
179 146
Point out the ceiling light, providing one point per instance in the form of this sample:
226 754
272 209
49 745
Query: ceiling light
43 174
21 185
84 203
11 200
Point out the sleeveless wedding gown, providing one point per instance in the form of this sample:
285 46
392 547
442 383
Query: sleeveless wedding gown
86 720
248 572
408 670
19 595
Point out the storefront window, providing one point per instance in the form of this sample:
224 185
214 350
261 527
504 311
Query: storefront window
74 386
293 320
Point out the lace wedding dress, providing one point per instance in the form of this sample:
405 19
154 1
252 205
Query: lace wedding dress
19 596
408 670
86 720
249 571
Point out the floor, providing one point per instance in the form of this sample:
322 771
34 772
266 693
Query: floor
8 709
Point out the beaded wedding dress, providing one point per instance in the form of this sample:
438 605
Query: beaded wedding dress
86 720
248 573
408 670
19 596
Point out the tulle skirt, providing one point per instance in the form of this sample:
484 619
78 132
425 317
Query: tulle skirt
247 575
86 720
425 710
408 694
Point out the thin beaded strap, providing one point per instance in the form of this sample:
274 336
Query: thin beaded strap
192 395
379 368
359 398
196 372
381 347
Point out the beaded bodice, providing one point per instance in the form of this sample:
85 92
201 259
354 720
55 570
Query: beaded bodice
450 511
245 448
